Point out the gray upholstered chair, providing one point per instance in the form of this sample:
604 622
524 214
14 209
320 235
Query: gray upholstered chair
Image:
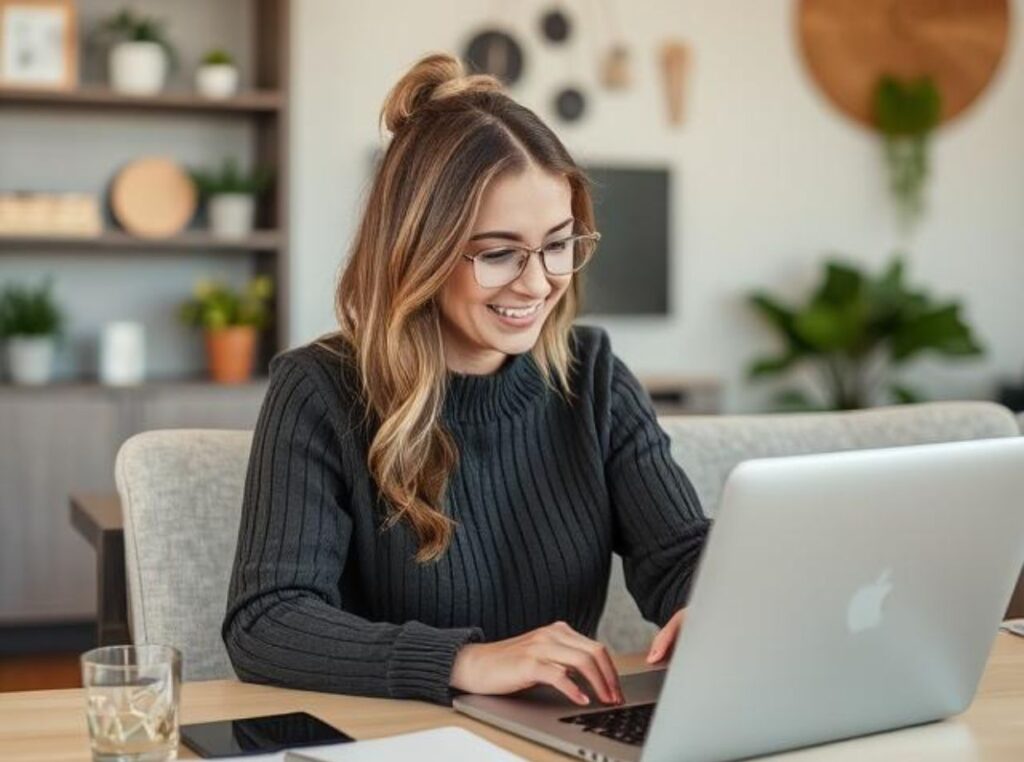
181 493
181 496
708 447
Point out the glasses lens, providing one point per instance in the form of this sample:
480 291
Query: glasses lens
497 267
559 257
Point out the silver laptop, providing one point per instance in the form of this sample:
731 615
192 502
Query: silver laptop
839 594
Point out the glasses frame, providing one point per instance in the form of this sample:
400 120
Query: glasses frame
529 251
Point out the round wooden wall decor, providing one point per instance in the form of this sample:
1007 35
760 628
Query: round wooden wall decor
153 197
849 44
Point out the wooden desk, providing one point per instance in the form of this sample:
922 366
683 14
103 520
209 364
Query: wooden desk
48 726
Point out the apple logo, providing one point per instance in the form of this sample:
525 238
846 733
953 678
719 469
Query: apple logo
865 609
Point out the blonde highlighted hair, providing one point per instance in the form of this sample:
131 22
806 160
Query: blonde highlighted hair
452 134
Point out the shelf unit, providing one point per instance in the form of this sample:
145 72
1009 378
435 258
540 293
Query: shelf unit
264 107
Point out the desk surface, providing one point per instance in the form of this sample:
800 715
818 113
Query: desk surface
50 725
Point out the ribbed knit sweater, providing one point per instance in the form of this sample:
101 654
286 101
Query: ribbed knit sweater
545 490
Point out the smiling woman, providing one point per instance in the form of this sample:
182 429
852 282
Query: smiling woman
435 490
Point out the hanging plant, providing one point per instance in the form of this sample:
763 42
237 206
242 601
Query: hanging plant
906 113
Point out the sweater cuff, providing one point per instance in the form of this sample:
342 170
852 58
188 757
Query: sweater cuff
421 661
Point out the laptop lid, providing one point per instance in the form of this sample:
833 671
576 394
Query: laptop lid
841 594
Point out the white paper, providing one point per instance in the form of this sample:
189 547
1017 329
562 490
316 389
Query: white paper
450 743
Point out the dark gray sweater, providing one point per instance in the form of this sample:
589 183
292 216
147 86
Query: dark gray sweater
545 490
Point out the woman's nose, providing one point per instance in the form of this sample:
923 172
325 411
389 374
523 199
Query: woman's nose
533 281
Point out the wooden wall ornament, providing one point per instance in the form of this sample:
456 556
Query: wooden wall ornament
153 197
675 61
848 45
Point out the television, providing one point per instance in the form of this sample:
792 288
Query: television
629 274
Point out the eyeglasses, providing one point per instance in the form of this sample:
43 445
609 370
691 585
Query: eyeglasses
500 266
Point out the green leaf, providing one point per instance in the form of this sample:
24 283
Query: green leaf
907 107
770 366
828 327
842 284
939 330
904 394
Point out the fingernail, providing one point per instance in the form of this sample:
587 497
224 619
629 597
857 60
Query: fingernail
585 697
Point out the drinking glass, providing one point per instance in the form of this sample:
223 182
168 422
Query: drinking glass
131 697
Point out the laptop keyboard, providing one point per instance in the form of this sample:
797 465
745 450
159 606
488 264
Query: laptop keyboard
627 724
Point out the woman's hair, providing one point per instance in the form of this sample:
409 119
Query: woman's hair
452 135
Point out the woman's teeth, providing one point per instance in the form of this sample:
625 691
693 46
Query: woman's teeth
516 312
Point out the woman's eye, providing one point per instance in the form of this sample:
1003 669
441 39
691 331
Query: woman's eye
498 256
556 246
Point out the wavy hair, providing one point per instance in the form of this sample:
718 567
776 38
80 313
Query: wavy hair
451 135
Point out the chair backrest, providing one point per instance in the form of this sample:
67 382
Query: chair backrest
181 497
708 447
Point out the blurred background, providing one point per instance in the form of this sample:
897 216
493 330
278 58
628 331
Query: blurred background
806 204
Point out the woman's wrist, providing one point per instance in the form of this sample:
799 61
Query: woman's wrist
462 667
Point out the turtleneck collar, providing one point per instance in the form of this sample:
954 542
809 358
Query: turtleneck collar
506 392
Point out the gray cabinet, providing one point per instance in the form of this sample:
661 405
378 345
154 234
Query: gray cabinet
63 438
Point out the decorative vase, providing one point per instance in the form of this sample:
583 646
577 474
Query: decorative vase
231 353
231 215
217 80
122 353
138 68
30 359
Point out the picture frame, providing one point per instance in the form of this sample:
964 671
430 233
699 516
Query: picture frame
38 44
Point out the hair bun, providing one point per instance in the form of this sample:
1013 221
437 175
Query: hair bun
432 78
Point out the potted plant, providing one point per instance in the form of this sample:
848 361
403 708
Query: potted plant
906 113
30 321
217 75
231 197
140 54
854 331
231 321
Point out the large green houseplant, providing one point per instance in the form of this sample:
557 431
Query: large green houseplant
854 331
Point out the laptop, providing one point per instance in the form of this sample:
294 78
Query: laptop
839 594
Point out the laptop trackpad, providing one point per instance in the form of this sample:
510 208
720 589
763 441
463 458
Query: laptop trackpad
639 687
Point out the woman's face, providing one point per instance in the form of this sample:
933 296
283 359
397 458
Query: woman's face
530 207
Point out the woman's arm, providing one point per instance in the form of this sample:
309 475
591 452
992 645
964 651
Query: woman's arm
660 526
285 622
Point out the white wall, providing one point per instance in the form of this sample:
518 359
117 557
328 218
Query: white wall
768 176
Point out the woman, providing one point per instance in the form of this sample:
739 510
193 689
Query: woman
435 491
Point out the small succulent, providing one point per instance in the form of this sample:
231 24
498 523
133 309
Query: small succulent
26 311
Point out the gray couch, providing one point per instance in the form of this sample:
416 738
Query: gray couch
181 494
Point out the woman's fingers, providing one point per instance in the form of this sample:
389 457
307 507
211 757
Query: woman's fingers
663 642
558 678
584 664
568 636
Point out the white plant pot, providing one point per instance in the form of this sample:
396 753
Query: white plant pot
217 81
231 215
30 359
138 68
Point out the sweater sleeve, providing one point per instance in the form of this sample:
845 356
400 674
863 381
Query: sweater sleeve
660 525
286 623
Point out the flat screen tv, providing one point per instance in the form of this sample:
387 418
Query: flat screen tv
629 274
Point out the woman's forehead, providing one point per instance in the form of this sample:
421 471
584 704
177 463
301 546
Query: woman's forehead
529 201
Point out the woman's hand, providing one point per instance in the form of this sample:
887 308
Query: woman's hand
665 640
546 655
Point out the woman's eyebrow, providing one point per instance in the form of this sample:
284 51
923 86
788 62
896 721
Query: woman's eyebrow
515 236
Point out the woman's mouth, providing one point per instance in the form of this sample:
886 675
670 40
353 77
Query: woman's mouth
516 316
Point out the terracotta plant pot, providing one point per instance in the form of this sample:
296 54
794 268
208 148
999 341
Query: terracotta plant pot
231 353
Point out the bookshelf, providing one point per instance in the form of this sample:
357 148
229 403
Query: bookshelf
261 109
